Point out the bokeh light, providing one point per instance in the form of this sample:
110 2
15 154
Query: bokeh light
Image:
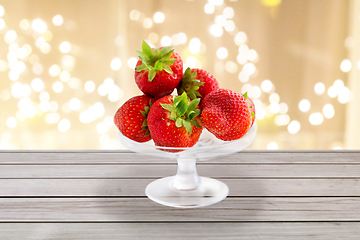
159 17
37 84
39 26
216 30
272 146
266 85
132 62
222 53
58 20
328 111
64 125
58 87
294 127
209 8
24 24
165 41
304 105
2 24
240 38
346 65
89 86
319 88
316 118
220 20
228 12
2 11
11 122
65 47
194 45
147 23
115 64
10 36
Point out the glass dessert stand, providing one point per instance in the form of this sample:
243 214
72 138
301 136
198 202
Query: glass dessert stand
186 189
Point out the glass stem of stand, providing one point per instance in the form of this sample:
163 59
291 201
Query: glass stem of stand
186 177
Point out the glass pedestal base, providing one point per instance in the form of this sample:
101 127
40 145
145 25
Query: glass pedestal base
186 189
208 191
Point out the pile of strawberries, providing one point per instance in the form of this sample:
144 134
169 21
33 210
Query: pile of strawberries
177 121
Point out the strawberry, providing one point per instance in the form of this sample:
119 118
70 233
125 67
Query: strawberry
251 106
197 83
131 117
158 71
173 122
226 114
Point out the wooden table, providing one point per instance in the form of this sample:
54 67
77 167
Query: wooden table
96 195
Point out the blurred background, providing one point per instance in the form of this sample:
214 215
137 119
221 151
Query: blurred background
66 66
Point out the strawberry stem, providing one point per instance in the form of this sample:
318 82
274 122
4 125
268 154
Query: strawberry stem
190 84
183 112
154 60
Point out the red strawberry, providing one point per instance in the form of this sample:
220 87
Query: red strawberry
158 70
172 122
197 83
226 114
252 108
130 118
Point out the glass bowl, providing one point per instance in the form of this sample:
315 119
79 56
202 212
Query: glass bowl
186 189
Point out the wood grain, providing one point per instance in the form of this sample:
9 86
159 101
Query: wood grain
136 187
180 231
144 210
121 157
157 170
100 195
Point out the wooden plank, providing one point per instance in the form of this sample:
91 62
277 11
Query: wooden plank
144 210
157 171
136 187
120 157
177 231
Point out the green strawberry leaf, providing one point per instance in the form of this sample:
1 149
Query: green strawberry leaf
193 104
245 95
168 107
142 55
194 114
158 65
198 94
144 125
193 74
179 122
141 68
155 60
147 49
192 95
168 55
173 116
169 61
197 82
183 112
152 74
195 123
187 126
167 69
176 100
252 114
165 51
156 53
181 105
